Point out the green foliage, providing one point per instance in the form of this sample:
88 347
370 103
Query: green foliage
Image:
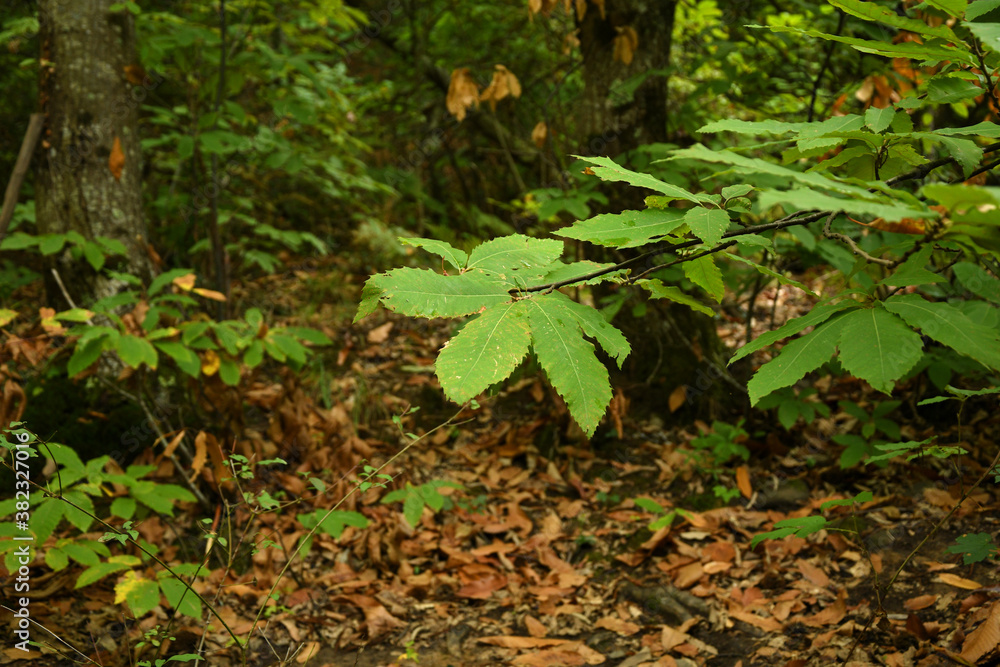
666 519
510 282
807 525
975 548
416 498
794 404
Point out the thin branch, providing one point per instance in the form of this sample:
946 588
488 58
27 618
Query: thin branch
843 238
660 248
826 64
925 169
20 171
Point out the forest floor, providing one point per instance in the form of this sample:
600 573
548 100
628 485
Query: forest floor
543 557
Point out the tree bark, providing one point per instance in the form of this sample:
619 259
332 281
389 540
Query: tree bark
87 54
614 121
676 351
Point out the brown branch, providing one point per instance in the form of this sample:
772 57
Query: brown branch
20 171
660 248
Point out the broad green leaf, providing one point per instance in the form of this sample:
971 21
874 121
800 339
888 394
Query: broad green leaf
987 33
756 165
141 594
658 290
797 358
912 271
457 258
424 293
770 272
974 548
75 315
879 119
185 358
135 351
753 241
704 273
627 229
84 355
814 317
953 7
7 315
870 11
708 224
911 50
975 279
593 324
570 363
808 200
949 326
804 130
983 129
878 347
484 352
734 191
179 597
965 151
515 253
110 566
979 8
609 170
371 296
947 90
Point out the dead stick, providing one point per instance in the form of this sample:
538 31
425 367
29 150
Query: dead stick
20 171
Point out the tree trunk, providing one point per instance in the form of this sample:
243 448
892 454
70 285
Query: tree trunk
676 351
87 54
624 42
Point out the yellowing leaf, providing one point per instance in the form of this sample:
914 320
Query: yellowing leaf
626 43
463 93
185 282
209 294
6 316
210 362
116 161
539 134
504 83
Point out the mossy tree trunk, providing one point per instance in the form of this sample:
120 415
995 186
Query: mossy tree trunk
91 108
673 346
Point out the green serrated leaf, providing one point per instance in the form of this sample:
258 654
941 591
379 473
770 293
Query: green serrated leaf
484 352
457 258
878 347
135 351
515 253
878 120
570 363
808 200
593 324
974 548
798 357
708 224
815 317
869 11
424 293
608 170
704 273
949 326
658 290
975 279
627 229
